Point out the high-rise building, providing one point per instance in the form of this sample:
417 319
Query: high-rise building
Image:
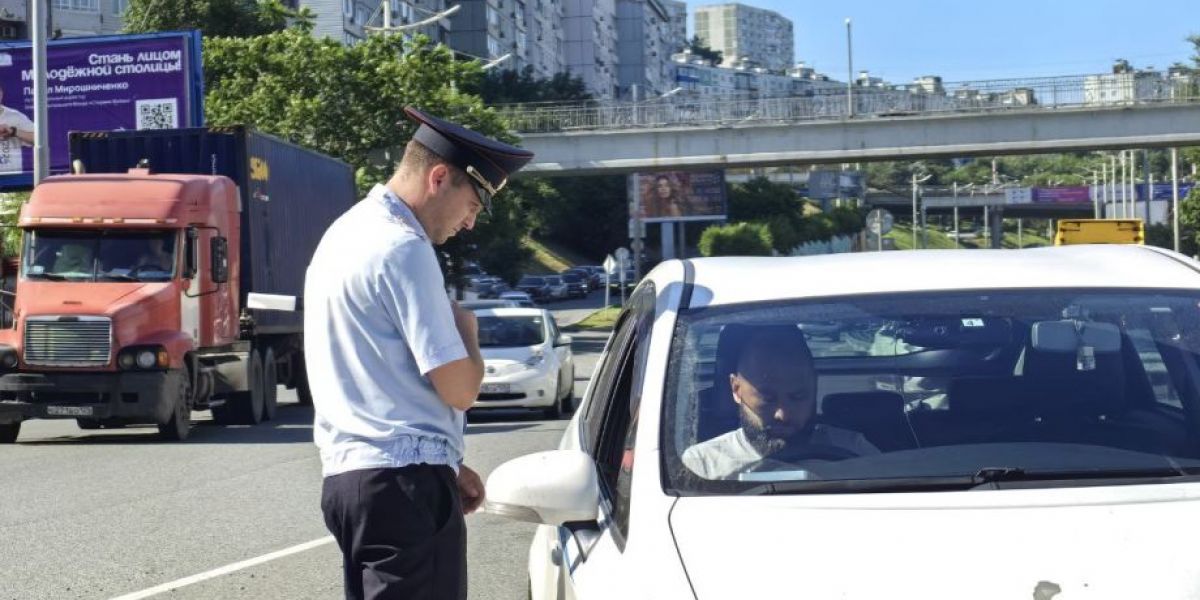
68 18
645 42
521 32
590 44
746 35
677 9
346 20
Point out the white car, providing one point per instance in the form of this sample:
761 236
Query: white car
527 361
1024 423
521 298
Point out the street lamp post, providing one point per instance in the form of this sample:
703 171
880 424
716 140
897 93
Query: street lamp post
41 131
849 72
916 181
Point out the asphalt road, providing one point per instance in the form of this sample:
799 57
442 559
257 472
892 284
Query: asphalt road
110 513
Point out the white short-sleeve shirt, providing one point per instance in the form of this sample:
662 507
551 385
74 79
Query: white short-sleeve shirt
377 320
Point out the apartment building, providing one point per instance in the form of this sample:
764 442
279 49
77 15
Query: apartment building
746 34
518 33
347 20
68 18
590 45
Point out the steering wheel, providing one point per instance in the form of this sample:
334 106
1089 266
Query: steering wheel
149 267
803 452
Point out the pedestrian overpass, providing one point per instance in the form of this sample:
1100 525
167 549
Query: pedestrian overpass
1034 116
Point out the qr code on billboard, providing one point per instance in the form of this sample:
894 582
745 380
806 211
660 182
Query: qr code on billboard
157 114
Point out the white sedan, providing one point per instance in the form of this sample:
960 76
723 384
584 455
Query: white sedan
1031 429
527 361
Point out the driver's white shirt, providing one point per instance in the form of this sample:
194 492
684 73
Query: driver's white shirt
730 453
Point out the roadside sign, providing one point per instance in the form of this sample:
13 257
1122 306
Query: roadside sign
622 255
610 264
879 221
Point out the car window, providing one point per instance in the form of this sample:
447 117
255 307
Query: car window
933 385
615 448
510 331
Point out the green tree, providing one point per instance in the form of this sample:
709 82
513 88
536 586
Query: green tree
215 18
738 239
510 87
348 102
703 51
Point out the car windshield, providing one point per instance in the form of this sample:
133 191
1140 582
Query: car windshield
503 331
99 255
572 278
947 389
531 281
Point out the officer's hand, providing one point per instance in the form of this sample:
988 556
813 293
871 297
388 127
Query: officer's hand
464 320
470 489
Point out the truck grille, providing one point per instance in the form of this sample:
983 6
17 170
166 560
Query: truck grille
68 342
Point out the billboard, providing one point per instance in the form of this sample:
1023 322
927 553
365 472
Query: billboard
826 185
150 81
1073 193
682 196
1162 191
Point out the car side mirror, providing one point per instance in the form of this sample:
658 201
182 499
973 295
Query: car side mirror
555 487
219 249
562 340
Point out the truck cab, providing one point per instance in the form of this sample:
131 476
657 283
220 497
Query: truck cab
125 282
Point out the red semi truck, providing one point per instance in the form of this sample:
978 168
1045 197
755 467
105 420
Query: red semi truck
131 302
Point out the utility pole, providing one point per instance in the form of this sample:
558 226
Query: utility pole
1175 196
41 128
849 72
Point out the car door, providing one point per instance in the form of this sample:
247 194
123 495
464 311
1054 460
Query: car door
562 354
591 558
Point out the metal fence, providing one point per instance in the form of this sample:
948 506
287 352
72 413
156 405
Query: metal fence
962 97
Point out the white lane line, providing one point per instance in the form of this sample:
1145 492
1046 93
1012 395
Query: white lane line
237 566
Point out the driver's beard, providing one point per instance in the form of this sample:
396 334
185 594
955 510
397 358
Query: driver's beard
767 443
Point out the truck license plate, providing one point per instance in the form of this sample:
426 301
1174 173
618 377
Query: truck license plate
494 388
70 411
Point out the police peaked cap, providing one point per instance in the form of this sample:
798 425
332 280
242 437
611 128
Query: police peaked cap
487 161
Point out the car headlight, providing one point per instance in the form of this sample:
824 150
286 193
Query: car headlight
535 360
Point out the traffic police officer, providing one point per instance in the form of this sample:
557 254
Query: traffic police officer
393 364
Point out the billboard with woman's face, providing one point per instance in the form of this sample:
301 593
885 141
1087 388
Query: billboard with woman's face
682 196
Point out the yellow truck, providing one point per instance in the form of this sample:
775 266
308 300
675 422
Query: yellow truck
1100 231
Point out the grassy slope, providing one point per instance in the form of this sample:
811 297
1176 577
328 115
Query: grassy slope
550 258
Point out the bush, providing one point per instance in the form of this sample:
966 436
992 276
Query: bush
739 239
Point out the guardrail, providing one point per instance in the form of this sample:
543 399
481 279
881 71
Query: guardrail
1128 89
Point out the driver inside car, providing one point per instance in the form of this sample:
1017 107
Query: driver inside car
774 387
154 257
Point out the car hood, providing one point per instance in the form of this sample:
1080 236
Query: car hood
1065 544
498 361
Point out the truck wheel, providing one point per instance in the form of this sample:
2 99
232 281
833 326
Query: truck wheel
9 432
179 422
270 385
244 408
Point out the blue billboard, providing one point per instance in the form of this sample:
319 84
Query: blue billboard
146 81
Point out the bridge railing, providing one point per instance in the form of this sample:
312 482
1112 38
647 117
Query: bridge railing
830 103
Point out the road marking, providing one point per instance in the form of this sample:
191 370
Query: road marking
237 566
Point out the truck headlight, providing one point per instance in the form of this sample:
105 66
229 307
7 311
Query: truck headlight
8 357
144 357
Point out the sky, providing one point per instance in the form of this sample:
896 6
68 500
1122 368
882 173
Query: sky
990 39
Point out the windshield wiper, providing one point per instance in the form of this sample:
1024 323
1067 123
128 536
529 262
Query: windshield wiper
988 478
116 277
50 276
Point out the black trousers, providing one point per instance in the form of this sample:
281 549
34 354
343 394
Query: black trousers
401 532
